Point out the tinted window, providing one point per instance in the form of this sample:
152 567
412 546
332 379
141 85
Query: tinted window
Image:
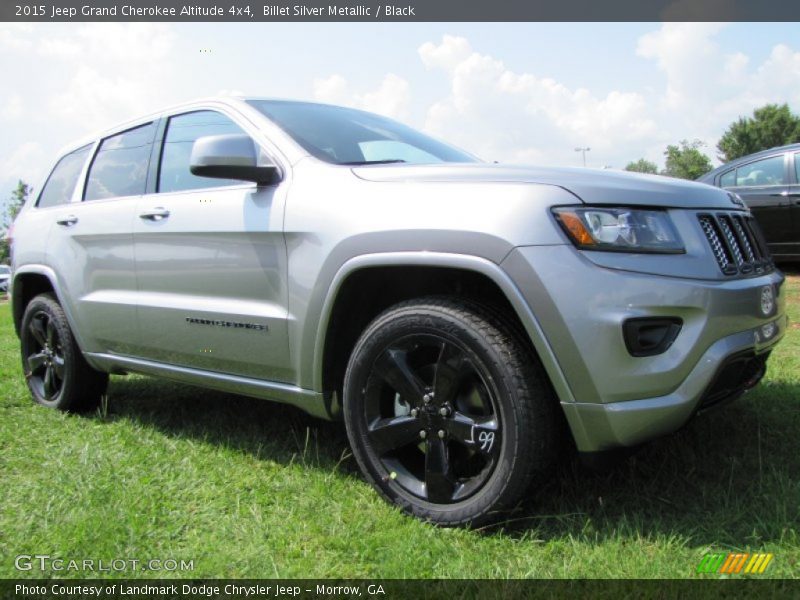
347 136
768 171
797 167
182 131
62 181
728 179
120 166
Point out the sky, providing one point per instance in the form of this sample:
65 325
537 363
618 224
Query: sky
511 92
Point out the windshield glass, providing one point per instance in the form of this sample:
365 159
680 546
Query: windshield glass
345 136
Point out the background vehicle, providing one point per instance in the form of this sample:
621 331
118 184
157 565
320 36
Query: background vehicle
769 183
453 313
5 277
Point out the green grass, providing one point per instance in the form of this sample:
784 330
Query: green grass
246 488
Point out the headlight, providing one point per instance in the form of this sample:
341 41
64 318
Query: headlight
620 229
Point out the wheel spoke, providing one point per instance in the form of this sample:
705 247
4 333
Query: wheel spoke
37 330
52 334
393 433
35 361
439 483
478 433
393 367
58 365
449 373
49 384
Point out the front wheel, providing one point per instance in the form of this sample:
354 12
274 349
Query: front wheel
448 412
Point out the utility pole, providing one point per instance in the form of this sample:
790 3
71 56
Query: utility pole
583 151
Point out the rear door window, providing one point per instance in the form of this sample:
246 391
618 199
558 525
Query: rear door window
120 166
62 181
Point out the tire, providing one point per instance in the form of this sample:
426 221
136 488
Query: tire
448 412
57 374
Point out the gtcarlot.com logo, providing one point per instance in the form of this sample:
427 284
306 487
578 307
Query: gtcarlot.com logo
45 562
732 563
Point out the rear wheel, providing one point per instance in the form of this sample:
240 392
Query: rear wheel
57 374
448 412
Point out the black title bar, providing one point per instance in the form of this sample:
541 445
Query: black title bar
399 11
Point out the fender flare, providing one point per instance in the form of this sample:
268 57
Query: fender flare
444 260
50 274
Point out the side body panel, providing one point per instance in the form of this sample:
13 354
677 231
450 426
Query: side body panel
212 292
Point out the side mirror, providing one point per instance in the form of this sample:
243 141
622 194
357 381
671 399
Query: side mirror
229 157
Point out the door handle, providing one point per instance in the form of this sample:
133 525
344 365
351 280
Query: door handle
67 221
155 214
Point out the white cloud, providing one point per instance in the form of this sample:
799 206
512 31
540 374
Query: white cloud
448 55
391 98
25 162
501 114
12 108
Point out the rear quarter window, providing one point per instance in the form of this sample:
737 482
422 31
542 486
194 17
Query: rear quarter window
62 180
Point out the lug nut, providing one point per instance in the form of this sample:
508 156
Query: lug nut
443 411
414 412
441 434
423 434
427 398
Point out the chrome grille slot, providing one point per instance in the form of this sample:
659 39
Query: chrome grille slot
736 242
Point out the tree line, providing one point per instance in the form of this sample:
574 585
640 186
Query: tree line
771 125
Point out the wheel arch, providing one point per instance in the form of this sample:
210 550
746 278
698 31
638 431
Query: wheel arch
328 357
31 280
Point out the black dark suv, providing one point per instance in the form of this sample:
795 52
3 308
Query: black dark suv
769 183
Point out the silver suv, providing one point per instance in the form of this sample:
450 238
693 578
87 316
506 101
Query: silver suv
455 314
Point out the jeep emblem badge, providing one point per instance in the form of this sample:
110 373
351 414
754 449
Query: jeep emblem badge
767 300
736 199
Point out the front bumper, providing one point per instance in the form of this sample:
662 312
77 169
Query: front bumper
616 399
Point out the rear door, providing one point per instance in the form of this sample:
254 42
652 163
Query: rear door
91 242
211 262
764 186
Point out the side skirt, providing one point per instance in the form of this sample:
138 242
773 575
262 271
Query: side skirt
311 402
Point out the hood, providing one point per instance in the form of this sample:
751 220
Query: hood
592 186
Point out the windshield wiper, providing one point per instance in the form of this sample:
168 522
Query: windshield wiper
373 162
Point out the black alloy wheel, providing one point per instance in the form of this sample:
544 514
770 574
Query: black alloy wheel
447 411
57 374
43 357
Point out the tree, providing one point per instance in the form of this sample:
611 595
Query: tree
642 166
12 208
686 161
771 125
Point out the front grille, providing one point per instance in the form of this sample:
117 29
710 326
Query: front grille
737 243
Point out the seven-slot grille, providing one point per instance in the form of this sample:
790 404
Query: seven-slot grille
737 243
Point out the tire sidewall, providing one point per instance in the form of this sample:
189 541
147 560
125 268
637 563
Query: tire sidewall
56 314
425 320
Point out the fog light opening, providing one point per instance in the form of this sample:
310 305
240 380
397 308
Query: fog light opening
650 336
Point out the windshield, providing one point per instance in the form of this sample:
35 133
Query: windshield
345 136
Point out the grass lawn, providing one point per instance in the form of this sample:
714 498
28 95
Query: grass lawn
246 488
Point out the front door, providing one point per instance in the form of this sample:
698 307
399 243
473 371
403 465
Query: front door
211 264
